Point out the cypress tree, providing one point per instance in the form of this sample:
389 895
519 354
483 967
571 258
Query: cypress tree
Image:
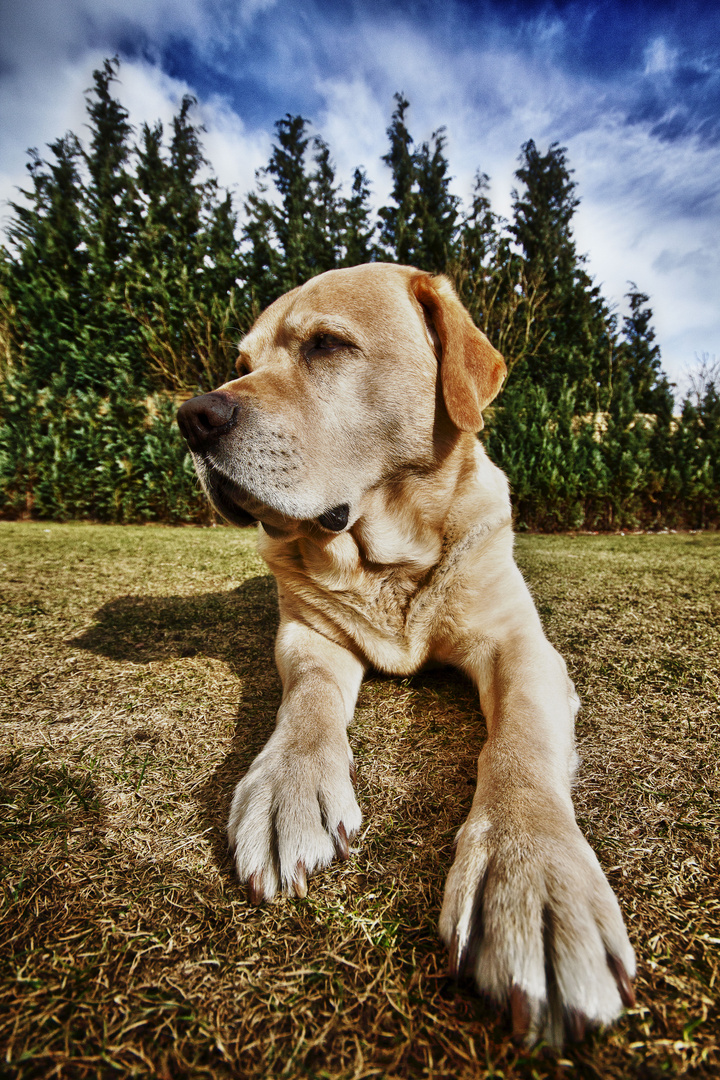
396 220
325 226
639 357
182 267
260 258
185 261
224 312
480 228
479 261
42 321
435 209
110 346
637 372
152 236
286 244
186 193
357 229
292 221
707 457
47 266
571 340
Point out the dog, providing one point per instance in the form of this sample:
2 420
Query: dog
350 435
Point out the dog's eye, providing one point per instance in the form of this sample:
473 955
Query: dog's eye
242 367
322 344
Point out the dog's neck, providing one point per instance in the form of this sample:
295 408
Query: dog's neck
408 524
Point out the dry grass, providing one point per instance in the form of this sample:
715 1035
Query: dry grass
138 683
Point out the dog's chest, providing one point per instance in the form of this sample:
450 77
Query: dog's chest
392 613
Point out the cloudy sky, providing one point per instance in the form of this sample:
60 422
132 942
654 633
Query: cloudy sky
630 87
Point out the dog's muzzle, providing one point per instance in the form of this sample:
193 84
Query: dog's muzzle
203 421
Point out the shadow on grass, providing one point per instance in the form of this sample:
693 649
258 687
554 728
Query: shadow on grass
435 748
237 627
416 742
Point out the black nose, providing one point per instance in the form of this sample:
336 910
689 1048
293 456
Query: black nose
202 419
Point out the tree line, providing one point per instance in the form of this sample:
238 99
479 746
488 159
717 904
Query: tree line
128 275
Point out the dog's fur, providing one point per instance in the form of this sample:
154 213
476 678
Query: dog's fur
350 436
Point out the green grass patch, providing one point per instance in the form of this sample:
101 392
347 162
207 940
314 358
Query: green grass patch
137 683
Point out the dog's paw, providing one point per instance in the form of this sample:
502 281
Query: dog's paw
530 915
292 813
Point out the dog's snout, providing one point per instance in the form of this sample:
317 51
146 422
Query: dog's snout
202 419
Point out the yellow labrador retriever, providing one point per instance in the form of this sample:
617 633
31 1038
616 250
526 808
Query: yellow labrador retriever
350 435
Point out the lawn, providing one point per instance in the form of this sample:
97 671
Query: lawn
138 682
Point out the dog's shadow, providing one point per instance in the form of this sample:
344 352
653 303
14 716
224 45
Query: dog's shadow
238 628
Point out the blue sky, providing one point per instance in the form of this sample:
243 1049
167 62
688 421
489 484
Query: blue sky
632 89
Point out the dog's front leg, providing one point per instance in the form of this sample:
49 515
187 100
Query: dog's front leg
528 912
295 809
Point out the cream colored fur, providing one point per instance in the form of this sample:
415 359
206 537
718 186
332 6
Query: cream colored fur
355 395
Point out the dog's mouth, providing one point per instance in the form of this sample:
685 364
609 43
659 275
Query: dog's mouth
230 500
239 507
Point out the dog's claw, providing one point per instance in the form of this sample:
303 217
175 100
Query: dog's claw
300 881
575 1024
341 843
456 963
627 994
520 1012
256 893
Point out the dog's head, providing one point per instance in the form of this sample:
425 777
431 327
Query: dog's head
353 380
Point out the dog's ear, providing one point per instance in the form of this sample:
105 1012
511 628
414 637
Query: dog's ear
471 371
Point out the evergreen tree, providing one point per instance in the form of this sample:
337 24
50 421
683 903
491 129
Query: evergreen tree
261 258
292 221
396 220
109 191
435 209
543 212
46 270
696 449
186 194
324 213
277 238
571 343
109 235
639 358
152 236
185 261
43 311
177 288
304 235
480 229
357 230
221 248
625 444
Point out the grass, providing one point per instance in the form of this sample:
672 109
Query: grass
136 685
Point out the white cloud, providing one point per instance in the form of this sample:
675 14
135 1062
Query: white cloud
353 124
49 49
149 95
234 152
659 57
648 215
37 106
